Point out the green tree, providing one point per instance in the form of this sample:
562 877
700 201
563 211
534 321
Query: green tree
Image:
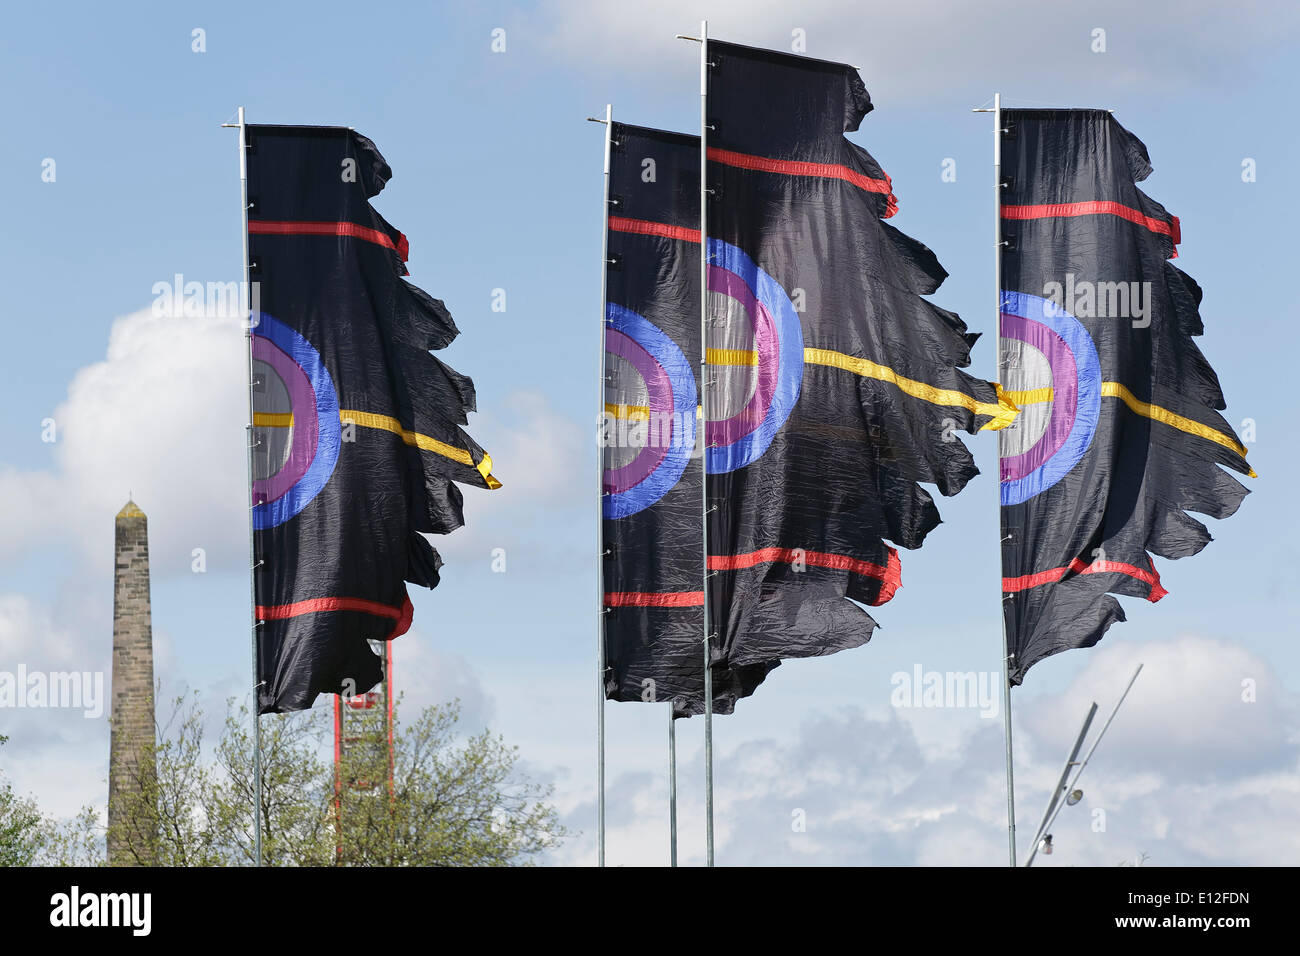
447 804
20 831
449 801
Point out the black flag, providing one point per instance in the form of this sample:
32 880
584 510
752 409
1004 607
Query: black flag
835 386
1119 436
652 530
356 425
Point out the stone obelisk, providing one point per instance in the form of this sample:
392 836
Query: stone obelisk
132 819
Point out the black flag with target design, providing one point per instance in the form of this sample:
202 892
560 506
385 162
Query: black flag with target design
836 387
358 447
1120 433
652 510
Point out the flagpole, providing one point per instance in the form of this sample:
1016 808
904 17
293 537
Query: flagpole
672 787
704 425
249 322
997 297
600 508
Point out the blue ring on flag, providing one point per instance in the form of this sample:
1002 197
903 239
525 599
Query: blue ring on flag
1087 410
790 365
685 403
329 437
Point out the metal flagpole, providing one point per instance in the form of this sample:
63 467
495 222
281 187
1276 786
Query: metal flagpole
704 424
672 786
250 435
600 510
997 297
997 303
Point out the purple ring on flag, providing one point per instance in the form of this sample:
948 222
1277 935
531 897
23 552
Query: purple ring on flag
766 343
1065 388
318 402
660 406
780 360
302 399
670 383
1076 397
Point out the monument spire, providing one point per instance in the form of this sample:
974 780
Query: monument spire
132 817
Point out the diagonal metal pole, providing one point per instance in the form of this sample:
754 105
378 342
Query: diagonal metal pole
1047 823
1061 786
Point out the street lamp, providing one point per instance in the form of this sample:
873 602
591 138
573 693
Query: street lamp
1073 795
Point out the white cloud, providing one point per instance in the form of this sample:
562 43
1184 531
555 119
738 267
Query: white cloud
161 418
1189 773
928 48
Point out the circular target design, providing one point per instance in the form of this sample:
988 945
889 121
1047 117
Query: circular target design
1050 359
296 423
655 375
749 402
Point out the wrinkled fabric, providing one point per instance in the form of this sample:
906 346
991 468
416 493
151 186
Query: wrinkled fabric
864 374
357 444
652 531
834 387
1119 435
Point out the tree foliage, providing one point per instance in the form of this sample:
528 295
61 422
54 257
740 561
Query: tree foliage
20 820
447 800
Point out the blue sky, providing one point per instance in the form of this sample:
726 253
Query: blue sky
497 185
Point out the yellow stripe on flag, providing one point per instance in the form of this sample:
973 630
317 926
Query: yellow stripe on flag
1001 414
272 419
1031 396
731 357
1173 419
627 411
423 442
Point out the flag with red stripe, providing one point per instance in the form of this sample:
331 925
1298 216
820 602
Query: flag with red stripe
1120 433
836 386
653 562
357 444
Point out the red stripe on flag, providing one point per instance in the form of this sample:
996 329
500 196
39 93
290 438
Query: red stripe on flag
279 612
1079 566
265 227
654 599
889 575
403 616
644 227
791 167
1099 207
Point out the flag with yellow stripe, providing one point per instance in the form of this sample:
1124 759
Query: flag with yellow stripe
1120 433
358 449
837 389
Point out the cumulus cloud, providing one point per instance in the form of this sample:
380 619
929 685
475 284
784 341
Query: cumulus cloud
161 418
1191 773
